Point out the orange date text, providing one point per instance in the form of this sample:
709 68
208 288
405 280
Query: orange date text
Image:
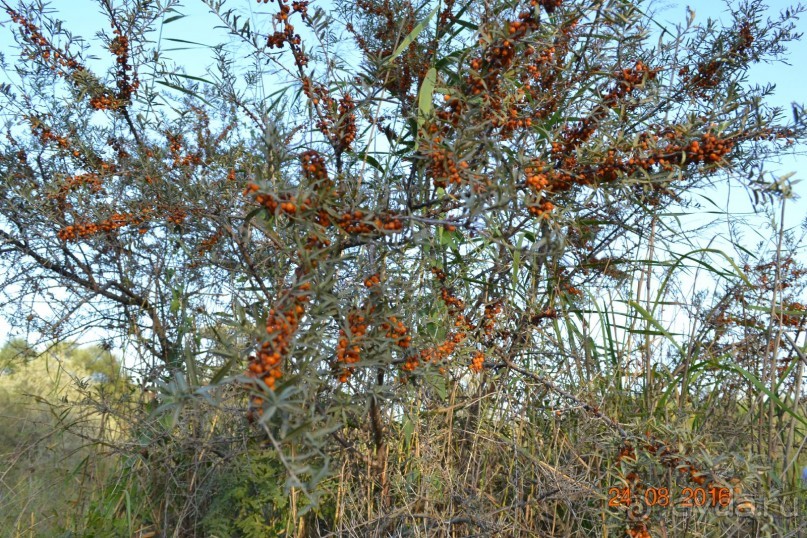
711 496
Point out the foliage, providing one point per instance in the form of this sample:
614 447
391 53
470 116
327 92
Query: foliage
414 268
49 472
253 502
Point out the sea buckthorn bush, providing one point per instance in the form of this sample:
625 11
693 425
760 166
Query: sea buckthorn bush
381 254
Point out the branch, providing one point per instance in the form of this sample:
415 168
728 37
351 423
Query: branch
128 297
554 388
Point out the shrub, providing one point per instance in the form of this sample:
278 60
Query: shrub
418 242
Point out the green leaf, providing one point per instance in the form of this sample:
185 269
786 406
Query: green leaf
754 380
654 322
222 372
446 238
407 428
412 36
425 95
372 161
191 77
517 261
438 383
466 24
456 20
186 41
184 90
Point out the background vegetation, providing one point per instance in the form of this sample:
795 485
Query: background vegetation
401 269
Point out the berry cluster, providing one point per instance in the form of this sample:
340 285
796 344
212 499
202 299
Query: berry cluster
314 168
445 15
354 222
453 302
488 96
486 329
90 180
386 22
300 7
127 83
477 362
492 311
283 321
709 74
708 150
176 216
443 166
45 133
435 355
207 244
372 280
114 222
794 320
541 78
638 530
450 115
526 23
105 102
397 331
548 313
567 288
277 39
661 151
549 5
119 145
176 143
357 222
286 202
445 349
346 132
44 48
348 351
541 209
511 121
504 110
281 326
338 124
627 81
538 182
